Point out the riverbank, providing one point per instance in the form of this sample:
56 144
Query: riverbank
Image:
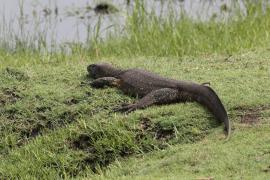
231 28
54 125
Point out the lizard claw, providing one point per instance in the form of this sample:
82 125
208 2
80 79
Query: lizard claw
97 84
125 108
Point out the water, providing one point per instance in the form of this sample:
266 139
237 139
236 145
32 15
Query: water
54 22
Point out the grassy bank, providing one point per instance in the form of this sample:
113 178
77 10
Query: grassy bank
245 156
54 125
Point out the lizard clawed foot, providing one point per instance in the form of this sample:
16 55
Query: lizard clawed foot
97 84
126 108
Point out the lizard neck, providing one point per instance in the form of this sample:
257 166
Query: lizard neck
114 72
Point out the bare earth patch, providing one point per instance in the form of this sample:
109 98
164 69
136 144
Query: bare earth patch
250 118
250 115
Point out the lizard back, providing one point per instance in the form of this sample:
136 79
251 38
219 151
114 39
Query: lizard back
139 82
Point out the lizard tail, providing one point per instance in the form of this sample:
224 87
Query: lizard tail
210 99
207 97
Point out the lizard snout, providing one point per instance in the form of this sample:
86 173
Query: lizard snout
91 70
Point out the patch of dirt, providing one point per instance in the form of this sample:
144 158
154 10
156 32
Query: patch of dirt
33 132
13 113
163 133
69 116
9 95
249 115
42 122
250 118
82 143
145 123
156 130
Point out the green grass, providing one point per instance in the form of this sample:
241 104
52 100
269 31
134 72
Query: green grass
245 156
52 125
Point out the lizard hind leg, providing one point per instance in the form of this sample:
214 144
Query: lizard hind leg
160 96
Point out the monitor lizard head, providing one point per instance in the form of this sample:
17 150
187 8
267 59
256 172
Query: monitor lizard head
100 70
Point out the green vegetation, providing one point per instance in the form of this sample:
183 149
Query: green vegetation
54 125
147 34
245 156
150 35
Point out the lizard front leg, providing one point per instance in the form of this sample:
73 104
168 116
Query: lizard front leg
105 81
160 96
